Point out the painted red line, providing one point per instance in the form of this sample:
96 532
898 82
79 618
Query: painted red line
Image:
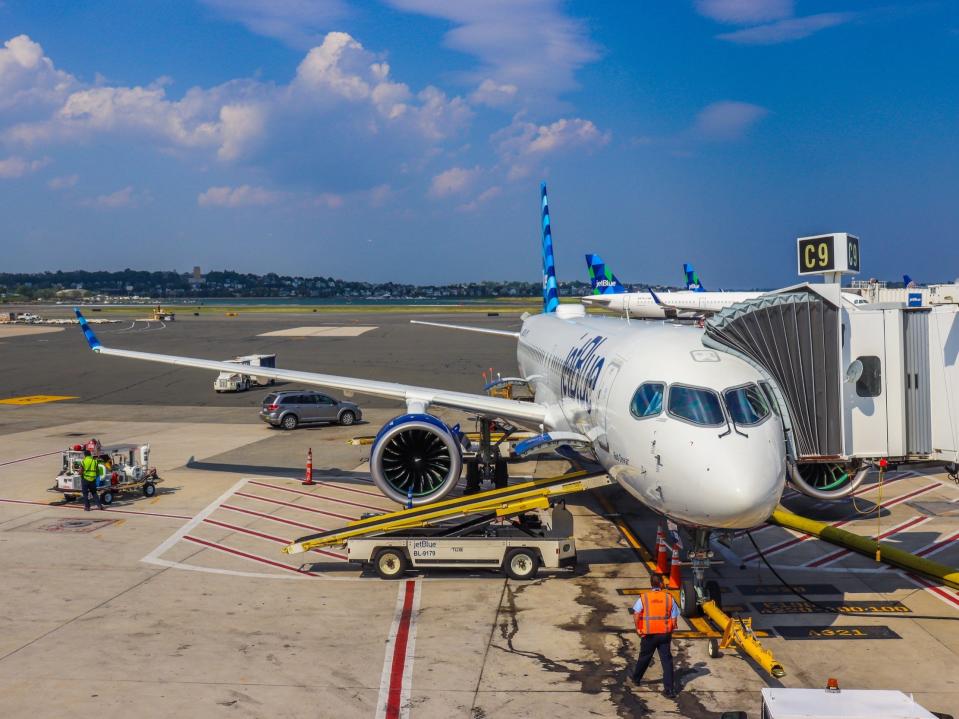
314 495
269 537
80 506
245 555
829 558
294 506
935 589
804 537
937 546
398 665
859 492
27 459
272 517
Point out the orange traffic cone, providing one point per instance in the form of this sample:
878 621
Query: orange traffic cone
309 468
675 576
662 559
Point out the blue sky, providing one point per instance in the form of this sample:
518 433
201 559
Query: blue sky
405 139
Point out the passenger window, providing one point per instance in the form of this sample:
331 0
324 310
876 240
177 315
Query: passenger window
870 383
648 400
746 404
699 406
323 399
291 399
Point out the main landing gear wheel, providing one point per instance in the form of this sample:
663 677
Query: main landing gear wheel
149 489
107 498
688 602
501 474
521 564
390 563
290 421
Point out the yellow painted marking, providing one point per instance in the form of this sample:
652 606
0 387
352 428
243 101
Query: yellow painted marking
36 399
628 535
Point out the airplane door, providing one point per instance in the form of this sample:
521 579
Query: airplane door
603 406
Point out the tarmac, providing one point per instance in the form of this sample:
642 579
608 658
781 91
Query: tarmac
183 604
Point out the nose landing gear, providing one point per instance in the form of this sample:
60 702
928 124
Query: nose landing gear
694 592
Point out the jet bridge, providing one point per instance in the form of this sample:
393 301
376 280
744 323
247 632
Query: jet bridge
853 383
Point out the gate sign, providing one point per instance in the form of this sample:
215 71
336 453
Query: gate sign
837 252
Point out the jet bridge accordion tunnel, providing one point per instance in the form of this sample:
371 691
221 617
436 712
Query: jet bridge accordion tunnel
852 384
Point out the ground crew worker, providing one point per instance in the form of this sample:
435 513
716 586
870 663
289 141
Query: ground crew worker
90 468
656 614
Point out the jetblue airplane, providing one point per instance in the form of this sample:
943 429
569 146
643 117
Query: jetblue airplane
694 302
687 431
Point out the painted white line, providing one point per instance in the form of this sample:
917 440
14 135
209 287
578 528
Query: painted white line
396 680
179 534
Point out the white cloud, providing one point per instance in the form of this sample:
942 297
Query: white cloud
63 182
296 22
328 200
787 30
727 120
523 145
744 12
493 93
28 79
242 196
771 21
532 44
14 167
454 181
124 197
481 199
342 121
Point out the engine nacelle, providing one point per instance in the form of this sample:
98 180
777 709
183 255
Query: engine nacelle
827 480
418 451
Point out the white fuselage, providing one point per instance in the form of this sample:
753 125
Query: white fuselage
642 305
587 371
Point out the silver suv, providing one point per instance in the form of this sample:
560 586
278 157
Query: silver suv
289 409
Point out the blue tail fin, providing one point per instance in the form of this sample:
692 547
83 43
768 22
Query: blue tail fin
907 281
550 289
692 279
602 279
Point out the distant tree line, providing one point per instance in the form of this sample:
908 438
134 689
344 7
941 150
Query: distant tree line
227 283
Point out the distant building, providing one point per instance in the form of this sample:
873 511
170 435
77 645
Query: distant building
196 279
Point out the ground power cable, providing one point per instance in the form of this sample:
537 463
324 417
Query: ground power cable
787 585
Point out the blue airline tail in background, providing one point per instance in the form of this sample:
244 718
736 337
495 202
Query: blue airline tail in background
550 289
601 278
907 281
692 279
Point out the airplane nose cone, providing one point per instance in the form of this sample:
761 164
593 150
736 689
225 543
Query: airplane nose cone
753 485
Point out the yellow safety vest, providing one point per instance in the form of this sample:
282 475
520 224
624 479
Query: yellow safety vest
90 469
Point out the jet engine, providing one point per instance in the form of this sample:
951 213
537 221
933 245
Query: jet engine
827 480
418 452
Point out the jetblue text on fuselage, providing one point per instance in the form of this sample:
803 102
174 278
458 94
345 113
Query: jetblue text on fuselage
581 370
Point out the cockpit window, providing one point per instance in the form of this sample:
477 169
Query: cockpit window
746 404
648 400
699 406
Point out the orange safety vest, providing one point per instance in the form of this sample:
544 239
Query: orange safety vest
657 614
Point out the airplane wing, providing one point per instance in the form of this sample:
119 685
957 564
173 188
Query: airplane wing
467 328
521 412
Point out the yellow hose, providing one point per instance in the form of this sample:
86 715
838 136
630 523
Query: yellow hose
867 546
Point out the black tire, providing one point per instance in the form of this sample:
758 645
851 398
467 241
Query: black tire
390 563
347 417
289 421
500 474
521 564
712 649
472 478
713 592
149 489
688 605
107 498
